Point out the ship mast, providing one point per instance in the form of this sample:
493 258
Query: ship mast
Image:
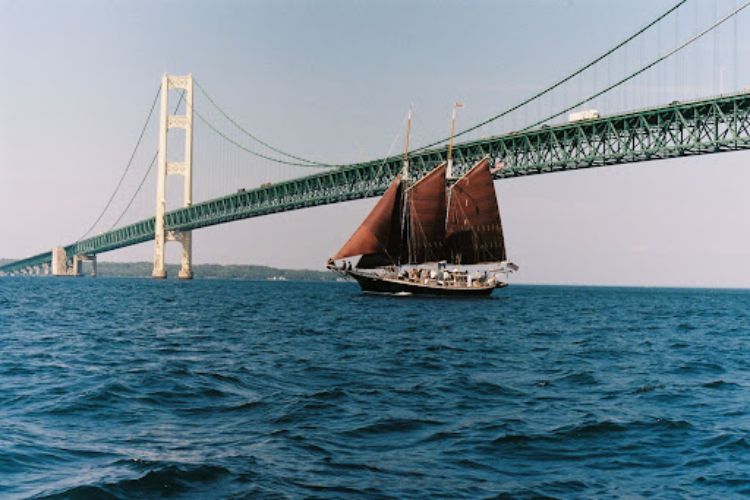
405 183
405 170
449 171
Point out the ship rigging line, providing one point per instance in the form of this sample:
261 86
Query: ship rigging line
127 167
645 68
559 82
253 137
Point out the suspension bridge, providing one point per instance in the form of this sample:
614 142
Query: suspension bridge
547 143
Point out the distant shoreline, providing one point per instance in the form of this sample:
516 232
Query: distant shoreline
212 271
262 273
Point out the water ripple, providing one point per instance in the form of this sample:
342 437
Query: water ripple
116 388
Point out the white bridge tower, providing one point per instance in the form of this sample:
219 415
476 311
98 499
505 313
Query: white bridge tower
166 167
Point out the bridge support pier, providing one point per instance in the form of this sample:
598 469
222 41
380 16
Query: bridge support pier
183 168
62 266
59 262
78 261
186 268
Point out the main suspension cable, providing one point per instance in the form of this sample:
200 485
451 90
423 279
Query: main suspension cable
303 162
145 176
127 167
140 185
560 82
255 153
252 136
644 68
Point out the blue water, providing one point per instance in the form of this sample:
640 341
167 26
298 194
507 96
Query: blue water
138 388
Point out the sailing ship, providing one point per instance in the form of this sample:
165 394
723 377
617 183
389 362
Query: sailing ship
431 238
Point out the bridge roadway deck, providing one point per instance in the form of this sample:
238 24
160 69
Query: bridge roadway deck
697 127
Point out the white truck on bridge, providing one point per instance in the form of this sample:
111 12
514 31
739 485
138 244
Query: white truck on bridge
586 114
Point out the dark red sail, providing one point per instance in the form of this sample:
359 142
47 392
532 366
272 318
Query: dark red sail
380 232
426 223
474 232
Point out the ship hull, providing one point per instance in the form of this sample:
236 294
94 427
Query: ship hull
374 284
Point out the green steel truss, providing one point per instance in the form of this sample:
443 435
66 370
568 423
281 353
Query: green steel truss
678 129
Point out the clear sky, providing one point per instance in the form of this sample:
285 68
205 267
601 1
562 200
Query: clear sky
332 80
